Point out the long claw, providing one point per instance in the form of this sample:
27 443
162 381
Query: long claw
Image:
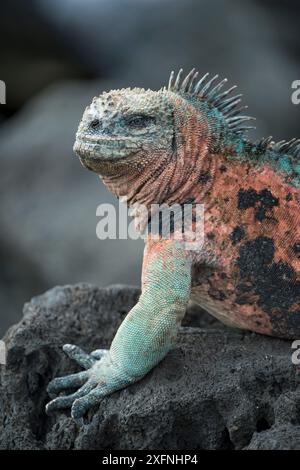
69 381
66 402
77 354
82 405
59 403
99 353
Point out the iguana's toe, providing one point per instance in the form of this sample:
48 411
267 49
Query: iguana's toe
82 405
77 354
70 381
68 400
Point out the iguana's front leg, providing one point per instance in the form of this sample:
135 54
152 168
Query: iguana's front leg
146 335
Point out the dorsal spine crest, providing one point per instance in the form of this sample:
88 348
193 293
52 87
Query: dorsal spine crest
207 91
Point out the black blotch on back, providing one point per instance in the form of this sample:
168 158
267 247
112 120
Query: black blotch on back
262 201
237 235
296 248
246 198
204 177
273 284
289 197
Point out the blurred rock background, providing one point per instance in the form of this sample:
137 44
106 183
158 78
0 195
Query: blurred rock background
55 55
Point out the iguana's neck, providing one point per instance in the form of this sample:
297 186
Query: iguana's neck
163 180
171 176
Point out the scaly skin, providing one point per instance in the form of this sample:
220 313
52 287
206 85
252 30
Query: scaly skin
187 144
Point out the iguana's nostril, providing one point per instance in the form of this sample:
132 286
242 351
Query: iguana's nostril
95 124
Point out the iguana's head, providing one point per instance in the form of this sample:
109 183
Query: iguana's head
131 136
127 124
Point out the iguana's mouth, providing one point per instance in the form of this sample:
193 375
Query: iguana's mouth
98 139
104 148
87 149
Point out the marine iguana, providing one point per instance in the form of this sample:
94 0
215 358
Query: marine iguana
186 143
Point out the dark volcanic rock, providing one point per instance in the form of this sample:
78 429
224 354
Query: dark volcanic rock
219 389
280 438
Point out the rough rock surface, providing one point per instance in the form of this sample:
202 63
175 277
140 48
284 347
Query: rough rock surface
219 389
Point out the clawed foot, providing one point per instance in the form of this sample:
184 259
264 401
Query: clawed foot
101 377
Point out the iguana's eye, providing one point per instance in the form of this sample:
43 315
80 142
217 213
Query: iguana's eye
139 121
94 124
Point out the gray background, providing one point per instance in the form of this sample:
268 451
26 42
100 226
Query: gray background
55 56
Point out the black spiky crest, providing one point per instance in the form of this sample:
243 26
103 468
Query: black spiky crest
291 147
207 91
283 147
